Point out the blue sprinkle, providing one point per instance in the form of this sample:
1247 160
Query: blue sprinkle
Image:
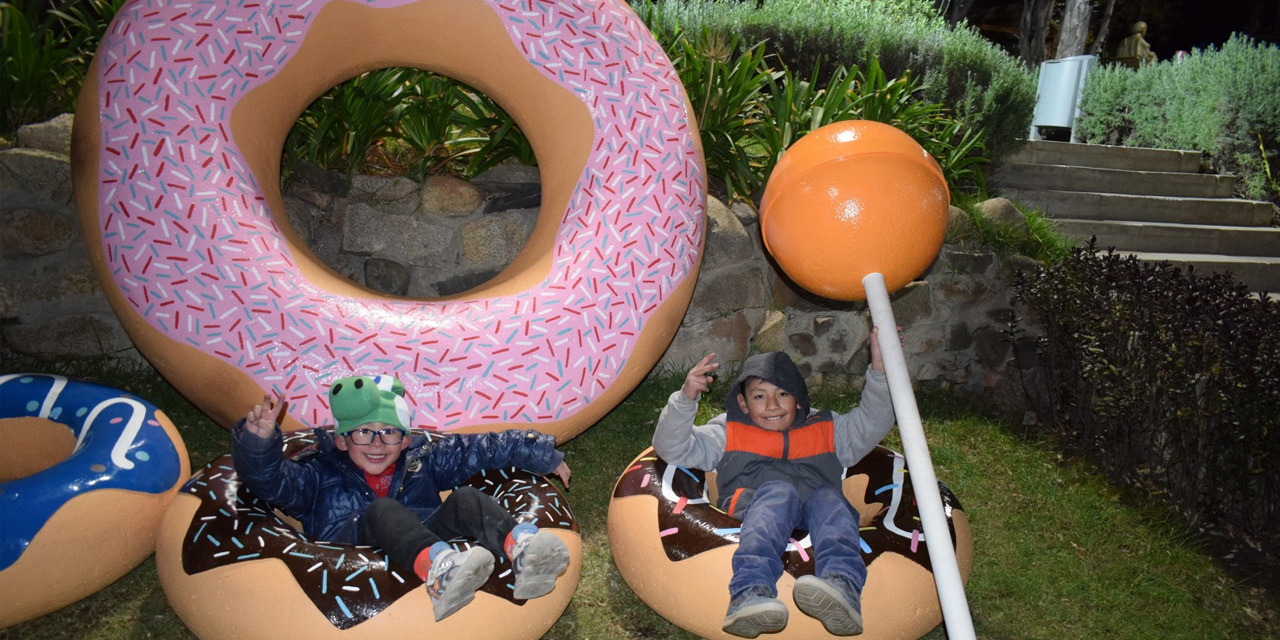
248 556
340 559
865 547
728 531
358 572
373 585
887 487
324 582
143 456
236 542
214 541
343 606
301 555
33 405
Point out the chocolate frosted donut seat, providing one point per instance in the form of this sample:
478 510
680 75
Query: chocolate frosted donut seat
233 567
673 548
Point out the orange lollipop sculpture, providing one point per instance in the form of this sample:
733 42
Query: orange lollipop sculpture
853 198
853 211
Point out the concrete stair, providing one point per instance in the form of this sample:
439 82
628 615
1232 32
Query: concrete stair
1152 203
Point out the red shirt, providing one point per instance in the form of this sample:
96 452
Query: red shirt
381 483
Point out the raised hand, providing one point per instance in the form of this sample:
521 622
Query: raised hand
699 377
563 473
877 361
262 418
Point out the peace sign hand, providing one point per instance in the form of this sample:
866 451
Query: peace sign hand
699 378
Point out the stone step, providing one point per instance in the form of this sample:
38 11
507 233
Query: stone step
1175 238
1107 157
1259 273
1083 205
1058 177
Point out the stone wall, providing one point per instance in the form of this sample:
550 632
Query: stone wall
445 235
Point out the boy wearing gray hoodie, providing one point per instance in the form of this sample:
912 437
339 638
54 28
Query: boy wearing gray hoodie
779 466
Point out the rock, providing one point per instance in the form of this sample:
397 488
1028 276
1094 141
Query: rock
772 334
464 282
402 238
911 303
803 343
390 195
726 291
53 136
991 346
958 224
321 179
746 213
958 336
31 283
28 232
449 196
302 217
728 337
386 276
493 241
727 240
1003 211
35 179
510 186
78 335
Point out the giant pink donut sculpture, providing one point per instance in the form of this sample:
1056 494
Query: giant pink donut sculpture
176 153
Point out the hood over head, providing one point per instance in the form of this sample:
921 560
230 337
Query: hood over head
774 367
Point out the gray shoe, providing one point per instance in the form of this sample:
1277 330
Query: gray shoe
755 611
454 578
836 604
536 560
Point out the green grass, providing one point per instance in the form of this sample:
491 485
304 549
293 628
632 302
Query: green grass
1059 552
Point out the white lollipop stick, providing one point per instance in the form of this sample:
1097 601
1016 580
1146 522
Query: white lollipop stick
946 570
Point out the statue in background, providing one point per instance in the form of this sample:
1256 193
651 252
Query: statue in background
1135 51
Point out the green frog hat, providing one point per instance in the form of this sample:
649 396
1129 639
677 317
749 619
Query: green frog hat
359 400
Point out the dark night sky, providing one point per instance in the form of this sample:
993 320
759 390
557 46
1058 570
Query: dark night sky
1172 24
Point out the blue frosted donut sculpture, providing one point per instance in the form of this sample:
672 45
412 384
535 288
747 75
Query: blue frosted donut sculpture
233 568
79 523
673 548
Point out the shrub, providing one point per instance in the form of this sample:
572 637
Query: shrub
1168 379
44 52
1223 101
750 112
986 88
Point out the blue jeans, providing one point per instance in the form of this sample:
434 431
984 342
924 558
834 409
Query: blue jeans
775 510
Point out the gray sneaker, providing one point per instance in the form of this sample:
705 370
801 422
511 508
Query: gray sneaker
537 559
755 611
836 604
454 578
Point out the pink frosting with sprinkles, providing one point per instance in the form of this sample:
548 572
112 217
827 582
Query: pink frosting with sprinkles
191 245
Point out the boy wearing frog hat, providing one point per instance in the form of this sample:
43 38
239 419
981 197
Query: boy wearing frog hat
375 482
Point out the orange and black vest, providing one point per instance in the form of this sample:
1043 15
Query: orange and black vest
804 456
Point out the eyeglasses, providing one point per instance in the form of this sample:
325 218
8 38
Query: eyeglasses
364 437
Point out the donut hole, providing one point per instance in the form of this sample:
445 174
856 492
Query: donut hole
398 246
30 445
403 225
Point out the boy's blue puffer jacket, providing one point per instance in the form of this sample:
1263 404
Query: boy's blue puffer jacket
328 494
